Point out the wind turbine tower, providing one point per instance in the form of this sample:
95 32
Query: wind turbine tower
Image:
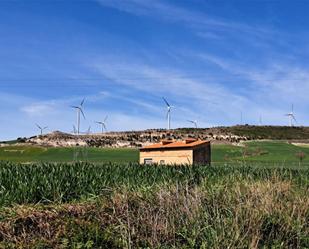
260 120
241 118
79 111
168 114
291 117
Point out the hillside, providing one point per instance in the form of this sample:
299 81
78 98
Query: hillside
222 135
270 132
131 139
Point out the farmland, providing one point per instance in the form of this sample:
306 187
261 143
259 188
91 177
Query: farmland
42 154
112 202
267 152
127 206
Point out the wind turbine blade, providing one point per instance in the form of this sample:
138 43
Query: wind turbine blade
38 126
294 118
81 103
45 127
73 106
104 127
105 118
166 102
81 110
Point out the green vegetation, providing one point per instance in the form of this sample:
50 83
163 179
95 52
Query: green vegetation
44 154
255 132
254 196
268 152
269 132
129 206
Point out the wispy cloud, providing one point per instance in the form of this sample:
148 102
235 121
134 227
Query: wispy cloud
259 89
283 79
203 24
38 109
189 95
274 86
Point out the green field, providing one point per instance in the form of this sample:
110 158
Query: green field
42 154
104 205
112 202
265 152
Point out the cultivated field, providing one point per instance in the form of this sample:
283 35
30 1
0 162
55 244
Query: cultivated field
42 154
236 203
270 152
128 206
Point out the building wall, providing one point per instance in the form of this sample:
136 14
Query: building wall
202 154
168 156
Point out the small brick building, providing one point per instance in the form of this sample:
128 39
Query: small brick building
189 151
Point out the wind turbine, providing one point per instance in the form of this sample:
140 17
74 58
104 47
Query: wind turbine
291 116
168 114
79 111
41 128
260 120
241 118
103 124
193 122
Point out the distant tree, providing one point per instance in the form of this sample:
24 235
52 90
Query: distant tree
301 156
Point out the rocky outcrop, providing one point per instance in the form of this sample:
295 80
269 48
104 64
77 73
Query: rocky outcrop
131 139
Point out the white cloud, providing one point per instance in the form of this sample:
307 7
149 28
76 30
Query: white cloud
189 95
266 89
273 86
38 109
203 24
283 80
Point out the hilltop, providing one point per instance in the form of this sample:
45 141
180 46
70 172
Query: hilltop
224 134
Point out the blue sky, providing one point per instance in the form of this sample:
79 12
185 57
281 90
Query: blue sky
211 59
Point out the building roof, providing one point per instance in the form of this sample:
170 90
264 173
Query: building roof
168 144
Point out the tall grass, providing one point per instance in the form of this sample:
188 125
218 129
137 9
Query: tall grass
45 182
131 206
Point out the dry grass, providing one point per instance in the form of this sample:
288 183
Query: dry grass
241 214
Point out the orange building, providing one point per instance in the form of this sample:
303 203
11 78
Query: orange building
189 151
